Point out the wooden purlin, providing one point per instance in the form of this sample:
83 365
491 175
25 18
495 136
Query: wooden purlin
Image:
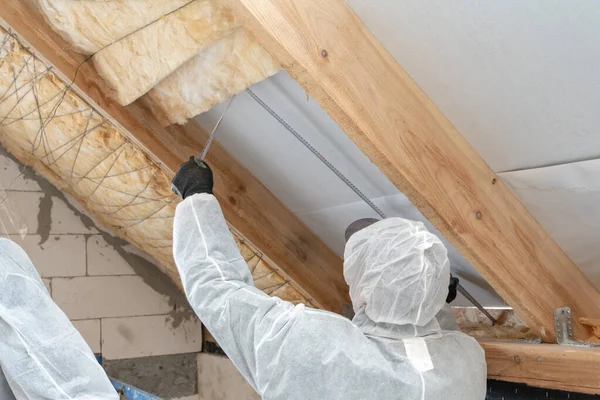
47 126
333 55
544 365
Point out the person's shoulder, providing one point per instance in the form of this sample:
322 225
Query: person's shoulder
326 323
462 340
9 245
5 241
326 316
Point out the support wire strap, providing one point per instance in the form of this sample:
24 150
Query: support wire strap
317 154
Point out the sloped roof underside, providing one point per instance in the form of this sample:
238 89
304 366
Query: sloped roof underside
519 81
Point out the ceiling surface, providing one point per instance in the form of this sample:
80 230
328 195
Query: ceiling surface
518 79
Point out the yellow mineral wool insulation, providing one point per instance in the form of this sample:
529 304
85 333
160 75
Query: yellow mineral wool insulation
594 325
471 315
474 323
47 126
92 25
498 332
219 72
135 64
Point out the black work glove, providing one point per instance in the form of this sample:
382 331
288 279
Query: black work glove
192 178
452 289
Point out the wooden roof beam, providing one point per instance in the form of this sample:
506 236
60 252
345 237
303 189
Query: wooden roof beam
544 365
329 51
247 204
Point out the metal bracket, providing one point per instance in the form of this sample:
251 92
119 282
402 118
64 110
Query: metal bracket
564 329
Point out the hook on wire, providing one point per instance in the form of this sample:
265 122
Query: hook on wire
200 158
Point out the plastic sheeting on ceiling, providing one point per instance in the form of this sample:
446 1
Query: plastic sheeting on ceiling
518 79
565 199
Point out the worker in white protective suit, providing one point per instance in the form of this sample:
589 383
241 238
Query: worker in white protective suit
395 346
42 355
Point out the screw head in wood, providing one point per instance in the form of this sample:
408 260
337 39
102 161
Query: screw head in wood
324 53
478 215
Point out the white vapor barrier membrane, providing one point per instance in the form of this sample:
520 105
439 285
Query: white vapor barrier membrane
305 185
565 199
280 161
518 79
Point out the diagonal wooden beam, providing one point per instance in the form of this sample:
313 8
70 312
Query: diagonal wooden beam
248 206
329 51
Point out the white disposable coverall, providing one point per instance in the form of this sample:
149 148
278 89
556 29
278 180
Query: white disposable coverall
42 356
394 348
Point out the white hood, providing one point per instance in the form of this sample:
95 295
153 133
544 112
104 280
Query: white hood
398 272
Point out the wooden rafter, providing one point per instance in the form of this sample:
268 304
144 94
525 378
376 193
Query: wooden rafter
248 206
329 51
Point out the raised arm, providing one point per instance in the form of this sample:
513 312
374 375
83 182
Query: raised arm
217 280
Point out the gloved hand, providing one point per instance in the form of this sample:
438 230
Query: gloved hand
452 289
192 178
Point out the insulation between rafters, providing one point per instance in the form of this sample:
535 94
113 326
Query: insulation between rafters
49 127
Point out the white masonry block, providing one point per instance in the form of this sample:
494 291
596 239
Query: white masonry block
55 216
108 296
19 208
219 379
103 259
58 256
90 330
12 177
66 220
149 336
48 284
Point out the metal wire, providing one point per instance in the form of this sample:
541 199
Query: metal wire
347 181
202 155
317 154
477 304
